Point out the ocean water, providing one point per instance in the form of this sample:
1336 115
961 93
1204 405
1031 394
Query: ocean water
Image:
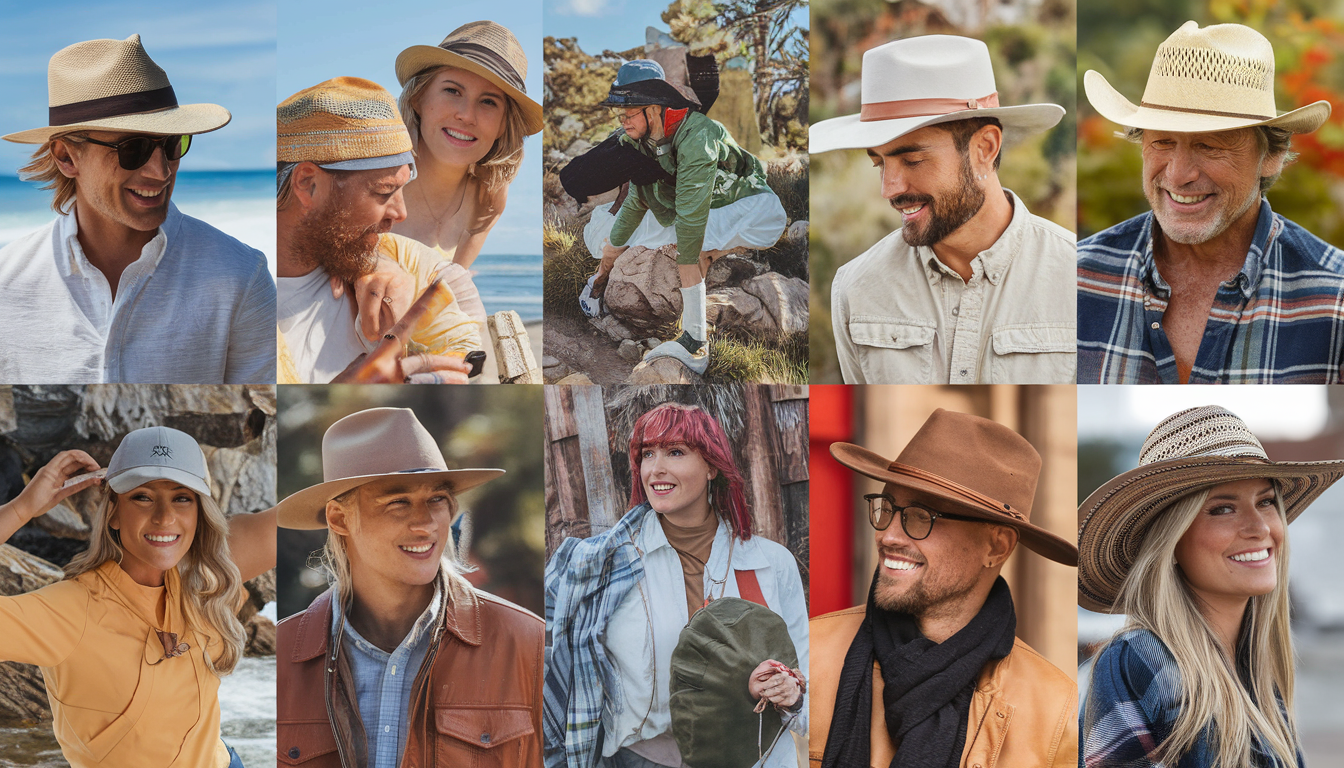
510 282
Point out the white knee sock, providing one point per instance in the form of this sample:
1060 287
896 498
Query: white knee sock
693 311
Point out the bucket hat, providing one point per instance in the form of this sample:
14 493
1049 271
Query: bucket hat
642 83
968 466
367 446
158 453
1191 450
921 81
483 48
113 85
1216 78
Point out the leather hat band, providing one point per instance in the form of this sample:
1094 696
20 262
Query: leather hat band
891 110
112 106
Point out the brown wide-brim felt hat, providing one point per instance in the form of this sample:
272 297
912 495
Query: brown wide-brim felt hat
367 446
483 48
1189 451
969 466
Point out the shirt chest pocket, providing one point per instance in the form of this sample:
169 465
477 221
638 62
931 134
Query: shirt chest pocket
476 737
893 352
1034 354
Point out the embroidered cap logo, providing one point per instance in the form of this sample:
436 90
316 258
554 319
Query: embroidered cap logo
162 450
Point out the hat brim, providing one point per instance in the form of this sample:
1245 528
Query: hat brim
306 510
180 120
1113 520
134 477
647 93
418 58
1111 105
1038 540
849 132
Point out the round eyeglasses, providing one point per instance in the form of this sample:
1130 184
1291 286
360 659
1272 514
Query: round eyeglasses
916 521
134 152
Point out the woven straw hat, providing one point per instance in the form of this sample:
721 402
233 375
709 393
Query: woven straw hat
1213 79
483 48
921 81
367 446
1191 450
346 123
113 85
970 466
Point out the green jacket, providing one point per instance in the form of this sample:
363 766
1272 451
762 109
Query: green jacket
709 171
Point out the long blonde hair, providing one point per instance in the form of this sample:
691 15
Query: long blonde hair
212 587
1156 597
500 165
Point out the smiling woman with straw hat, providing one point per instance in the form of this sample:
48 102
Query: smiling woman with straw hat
1192 547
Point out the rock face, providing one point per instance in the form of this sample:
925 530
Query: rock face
735 308
731 270
644 291
785 298
662 370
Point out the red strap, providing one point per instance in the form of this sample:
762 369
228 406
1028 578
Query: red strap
749 588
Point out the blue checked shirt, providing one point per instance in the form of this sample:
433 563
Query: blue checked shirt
586 579
1279 321
383 681
1131 707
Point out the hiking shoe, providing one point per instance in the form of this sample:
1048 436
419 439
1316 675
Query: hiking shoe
697 362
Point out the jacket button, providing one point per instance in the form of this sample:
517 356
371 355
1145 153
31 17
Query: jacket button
485 738
1000 714
293 753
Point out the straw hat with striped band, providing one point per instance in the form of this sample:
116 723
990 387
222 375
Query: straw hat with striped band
1217 78
1191 450
344 124
113 85
483 48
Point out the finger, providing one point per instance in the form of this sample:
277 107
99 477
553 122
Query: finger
435 377
426 363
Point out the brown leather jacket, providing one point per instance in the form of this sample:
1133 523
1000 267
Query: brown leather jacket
1022 692
476 700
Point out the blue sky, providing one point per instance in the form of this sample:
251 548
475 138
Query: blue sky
617 25
219 52
322 39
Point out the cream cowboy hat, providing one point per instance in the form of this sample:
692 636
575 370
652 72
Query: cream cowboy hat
113 85
367 446
483 48
1213 79
921 81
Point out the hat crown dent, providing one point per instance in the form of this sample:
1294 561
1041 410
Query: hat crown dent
927 67
1227 68
378 441
979 454
96 69
494 36
1208 430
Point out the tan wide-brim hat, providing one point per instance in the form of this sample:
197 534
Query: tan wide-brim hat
1217 78
113 85
1189 451
370 445
483 48
971 466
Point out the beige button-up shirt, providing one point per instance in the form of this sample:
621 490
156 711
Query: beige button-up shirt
901 316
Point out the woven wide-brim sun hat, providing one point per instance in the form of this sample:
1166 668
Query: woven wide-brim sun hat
113 85
346 123
483 48
921 81
1189 451
367 446
1215 78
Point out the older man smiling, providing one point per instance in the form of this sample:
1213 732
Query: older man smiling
1211 286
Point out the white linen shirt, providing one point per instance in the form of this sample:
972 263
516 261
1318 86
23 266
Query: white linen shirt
660 599
901 316
197 307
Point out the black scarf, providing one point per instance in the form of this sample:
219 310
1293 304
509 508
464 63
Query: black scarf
927 697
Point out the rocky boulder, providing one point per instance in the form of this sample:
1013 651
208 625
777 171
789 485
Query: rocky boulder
662 370
731 270
784 298
644 291
735 308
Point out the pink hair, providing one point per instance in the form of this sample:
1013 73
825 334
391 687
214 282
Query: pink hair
675 423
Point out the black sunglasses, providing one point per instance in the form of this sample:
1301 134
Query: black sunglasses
134 152
916 521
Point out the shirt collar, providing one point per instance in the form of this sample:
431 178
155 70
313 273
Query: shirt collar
992 262
72 260
1267 228
746 555
419 630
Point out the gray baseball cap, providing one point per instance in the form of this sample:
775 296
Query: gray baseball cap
158 453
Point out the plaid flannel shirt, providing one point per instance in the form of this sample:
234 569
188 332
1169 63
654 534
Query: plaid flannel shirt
1279 321
1131 706
586 579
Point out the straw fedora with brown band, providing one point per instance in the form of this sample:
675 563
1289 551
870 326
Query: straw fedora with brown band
367 446
113 85
1217 78
970 466
1189 451
483 48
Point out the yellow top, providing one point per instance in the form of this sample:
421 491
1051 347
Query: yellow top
115 700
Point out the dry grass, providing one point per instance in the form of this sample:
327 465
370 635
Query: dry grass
568 267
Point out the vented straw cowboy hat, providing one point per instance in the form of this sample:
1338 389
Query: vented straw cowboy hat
1213 79
921 81
1191 450
968 466
367 446
483 48
113 85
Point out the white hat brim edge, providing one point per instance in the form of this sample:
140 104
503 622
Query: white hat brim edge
1110 104
184 119
420 57
304 510
849 132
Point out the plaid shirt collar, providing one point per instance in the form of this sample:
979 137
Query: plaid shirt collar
1267 229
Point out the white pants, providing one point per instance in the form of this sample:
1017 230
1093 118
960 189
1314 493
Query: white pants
752 222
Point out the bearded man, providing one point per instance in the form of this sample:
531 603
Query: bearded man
344 156
928 674
973 289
